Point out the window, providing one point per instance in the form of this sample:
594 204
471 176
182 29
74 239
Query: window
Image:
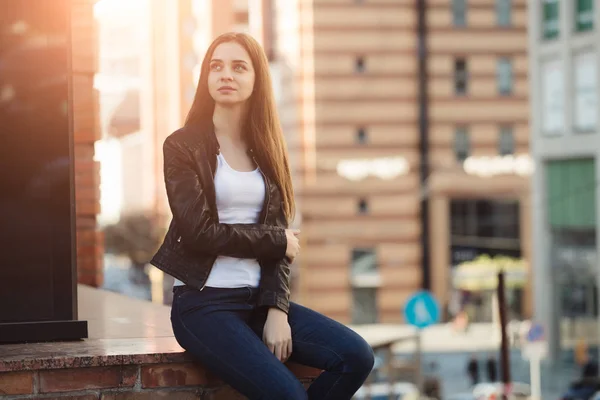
460 76
364 305
553 102
504 76
550 12
364 271
503 12
459 12
364 264
585 112
361 135
584 15
359 65
506 141
571 193
363 206
462 145
482 218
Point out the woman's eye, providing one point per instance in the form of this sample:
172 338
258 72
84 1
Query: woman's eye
215 67
240 68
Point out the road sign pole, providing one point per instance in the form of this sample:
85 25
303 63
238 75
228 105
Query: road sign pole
535 376
421 310
535 348
420 383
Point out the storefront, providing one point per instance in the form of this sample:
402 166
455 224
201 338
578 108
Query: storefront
571 203
485 237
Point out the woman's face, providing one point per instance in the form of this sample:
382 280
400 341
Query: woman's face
231 76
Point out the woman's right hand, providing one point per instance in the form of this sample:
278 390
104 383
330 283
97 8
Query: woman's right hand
293 244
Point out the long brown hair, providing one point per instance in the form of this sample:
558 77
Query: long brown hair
262 129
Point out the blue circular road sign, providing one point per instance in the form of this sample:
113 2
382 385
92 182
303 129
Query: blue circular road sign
422 310
535 333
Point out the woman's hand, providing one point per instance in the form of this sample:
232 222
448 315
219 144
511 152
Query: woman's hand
293 244
277 334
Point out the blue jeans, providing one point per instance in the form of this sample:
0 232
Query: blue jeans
222 329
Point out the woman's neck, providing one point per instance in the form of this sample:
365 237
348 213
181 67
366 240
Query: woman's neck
228 122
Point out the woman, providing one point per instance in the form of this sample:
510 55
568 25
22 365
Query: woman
230 191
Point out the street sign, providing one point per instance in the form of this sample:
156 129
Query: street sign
535 348
535 333
422 310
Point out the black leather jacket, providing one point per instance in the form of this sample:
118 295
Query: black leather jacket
195 237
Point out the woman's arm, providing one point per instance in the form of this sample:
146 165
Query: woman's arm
276 274
189 205
275 285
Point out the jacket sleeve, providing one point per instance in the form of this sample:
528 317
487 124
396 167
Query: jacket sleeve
275 278
275 285
190 207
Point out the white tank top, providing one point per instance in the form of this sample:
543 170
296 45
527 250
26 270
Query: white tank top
240 196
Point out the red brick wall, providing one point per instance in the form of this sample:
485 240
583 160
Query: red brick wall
180 381
86 126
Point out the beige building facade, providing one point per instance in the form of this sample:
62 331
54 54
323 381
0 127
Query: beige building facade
478 139
357 151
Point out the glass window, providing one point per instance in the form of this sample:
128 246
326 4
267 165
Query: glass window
363 206
461 221
550 12
364 261
503 12
460 76
585 111
504 76
364 269
482 218
361 135
553 104
459 12
584 15
364 305
506 141
571 193
462 145
359 65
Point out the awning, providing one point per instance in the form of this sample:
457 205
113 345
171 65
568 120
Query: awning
482 273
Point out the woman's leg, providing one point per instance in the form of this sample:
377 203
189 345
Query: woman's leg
321 342
212 326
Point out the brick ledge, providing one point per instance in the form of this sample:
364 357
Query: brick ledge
82 375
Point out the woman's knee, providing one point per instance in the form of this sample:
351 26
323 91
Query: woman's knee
359 357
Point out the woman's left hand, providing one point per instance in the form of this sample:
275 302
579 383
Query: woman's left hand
277 334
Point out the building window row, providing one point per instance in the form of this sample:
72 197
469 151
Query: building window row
504 76
462 142
503 12
583 13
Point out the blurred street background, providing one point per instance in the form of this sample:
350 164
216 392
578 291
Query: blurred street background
433 143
